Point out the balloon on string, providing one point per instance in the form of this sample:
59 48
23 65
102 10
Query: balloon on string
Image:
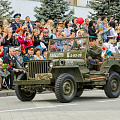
80 20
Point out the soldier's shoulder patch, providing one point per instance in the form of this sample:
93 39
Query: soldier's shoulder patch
26 54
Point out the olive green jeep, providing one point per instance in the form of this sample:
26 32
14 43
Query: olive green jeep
65 72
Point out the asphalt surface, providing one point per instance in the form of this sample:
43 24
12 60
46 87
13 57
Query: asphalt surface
92 105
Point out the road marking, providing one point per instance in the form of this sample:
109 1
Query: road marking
110 100
55 106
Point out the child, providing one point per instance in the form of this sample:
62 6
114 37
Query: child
99 35
28 40
2 74
105 51
53 34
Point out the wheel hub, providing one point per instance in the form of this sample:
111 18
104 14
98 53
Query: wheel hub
114 85
68 88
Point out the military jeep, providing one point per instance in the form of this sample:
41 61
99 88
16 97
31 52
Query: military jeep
65 72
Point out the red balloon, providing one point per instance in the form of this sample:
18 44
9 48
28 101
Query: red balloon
80 20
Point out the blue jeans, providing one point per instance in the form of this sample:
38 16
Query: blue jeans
92 67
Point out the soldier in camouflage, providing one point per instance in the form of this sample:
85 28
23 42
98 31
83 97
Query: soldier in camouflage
94 53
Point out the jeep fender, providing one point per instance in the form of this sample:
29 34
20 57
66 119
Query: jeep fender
111 66
73 70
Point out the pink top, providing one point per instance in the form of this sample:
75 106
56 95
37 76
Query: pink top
21 40
29 42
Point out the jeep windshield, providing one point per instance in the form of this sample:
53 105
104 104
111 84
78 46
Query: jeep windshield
68 48
68 44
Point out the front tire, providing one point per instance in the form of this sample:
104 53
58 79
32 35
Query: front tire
24 95
20 93
112 87
65 88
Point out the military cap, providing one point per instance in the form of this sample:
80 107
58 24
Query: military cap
18 49
44 50
91 38
110 37
30 48
17 15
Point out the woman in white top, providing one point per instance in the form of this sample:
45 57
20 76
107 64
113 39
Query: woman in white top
38 55
113 31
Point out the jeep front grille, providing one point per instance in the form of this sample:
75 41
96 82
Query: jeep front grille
38 66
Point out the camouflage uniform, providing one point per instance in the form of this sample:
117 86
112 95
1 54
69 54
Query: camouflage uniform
94 53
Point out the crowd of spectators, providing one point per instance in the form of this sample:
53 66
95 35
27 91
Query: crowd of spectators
25 41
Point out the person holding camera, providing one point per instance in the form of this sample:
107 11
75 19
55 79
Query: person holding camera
28 40
28 23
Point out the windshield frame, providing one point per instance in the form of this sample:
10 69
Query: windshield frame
60 39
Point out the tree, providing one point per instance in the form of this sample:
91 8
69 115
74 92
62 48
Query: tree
54 10
5 10
105 7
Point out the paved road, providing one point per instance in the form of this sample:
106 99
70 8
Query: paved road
92 105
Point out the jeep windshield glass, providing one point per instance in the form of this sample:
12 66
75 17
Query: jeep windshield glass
68 44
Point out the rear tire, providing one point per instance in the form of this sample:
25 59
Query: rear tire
112 87
65 88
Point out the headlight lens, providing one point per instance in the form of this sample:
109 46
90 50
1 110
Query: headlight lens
51 64
26 66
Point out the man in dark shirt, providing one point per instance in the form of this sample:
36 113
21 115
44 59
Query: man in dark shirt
11 60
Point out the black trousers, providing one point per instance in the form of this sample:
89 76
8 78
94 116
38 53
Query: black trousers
11 77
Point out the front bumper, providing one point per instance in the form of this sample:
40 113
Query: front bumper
41 78
31 82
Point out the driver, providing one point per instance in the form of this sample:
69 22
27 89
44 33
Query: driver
94 53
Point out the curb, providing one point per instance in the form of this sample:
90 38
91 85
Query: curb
5 93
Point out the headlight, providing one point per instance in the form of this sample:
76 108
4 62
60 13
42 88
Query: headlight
51 64
26 66
61 62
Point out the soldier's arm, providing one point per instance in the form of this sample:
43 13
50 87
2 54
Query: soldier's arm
97 52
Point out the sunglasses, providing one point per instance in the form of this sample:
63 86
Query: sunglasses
60 23
45 32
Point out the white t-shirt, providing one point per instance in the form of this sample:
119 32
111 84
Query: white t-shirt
113 33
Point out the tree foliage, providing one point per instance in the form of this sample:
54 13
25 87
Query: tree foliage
5 10
54 9
105 7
